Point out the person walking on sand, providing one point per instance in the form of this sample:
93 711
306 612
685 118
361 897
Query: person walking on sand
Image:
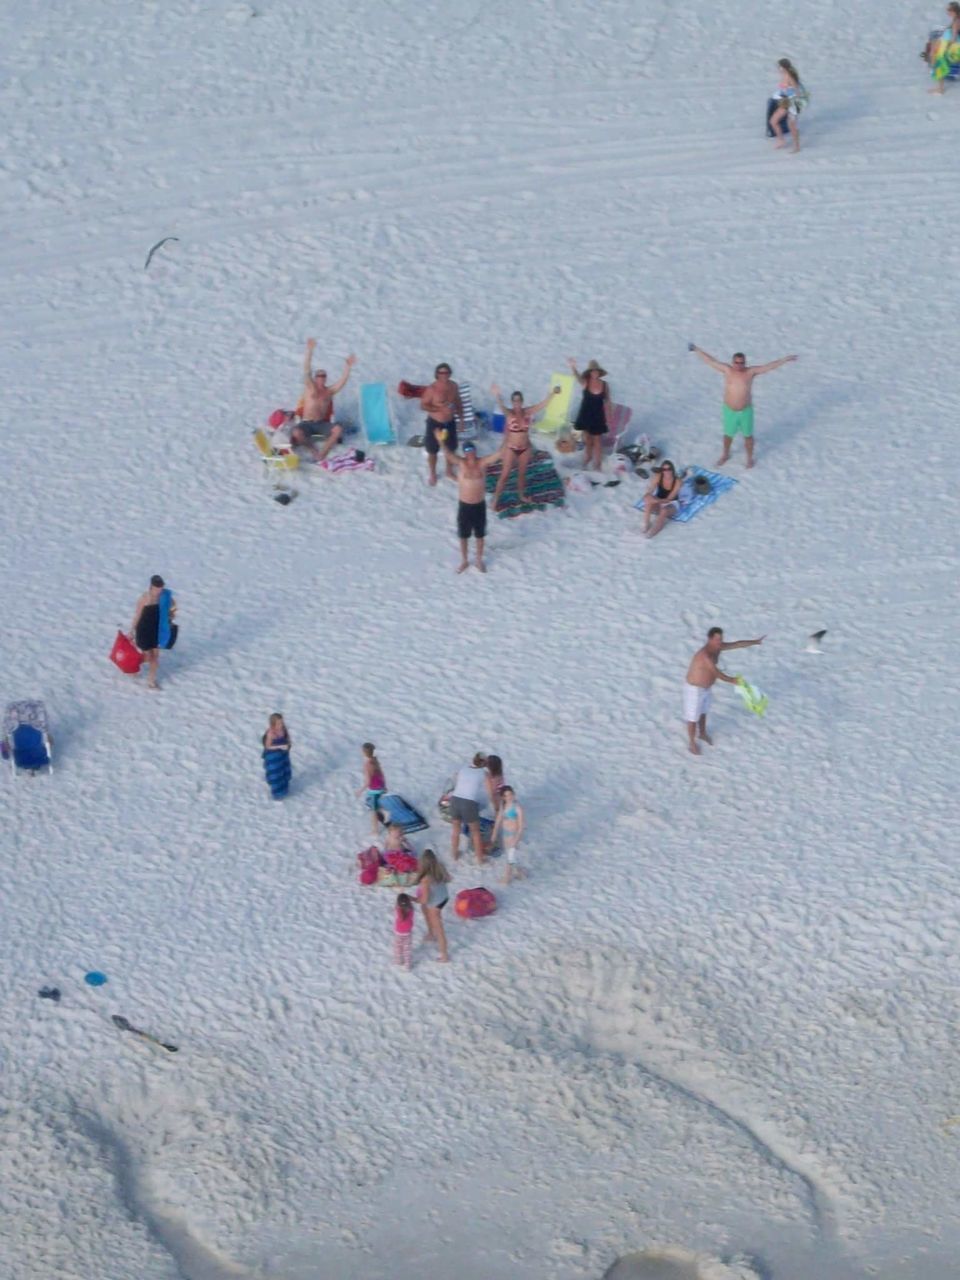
510 826
517 447
738 379
403 917
592 415
942 51
433 894
318 397
702 674
441 403
792 97
471 474
153 628
468 795
374 784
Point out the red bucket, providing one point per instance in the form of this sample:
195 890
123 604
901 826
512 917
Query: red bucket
126 655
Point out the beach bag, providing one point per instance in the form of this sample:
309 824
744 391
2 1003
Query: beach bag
368 860
126 655
471 904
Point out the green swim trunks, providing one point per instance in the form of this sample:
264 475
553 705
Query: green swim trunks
738 421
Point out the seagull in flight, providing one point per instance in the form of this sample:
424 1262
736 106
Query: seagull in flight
813 642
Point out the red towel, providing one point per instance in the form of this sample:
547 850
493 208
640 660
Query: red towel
409 390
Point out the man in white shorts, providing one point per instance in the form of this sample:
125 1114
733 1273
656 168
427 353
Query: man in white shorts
702 674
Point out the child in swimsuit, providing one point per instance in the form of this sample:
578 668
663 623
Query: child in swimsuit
792 96
403 919
374 784
510 824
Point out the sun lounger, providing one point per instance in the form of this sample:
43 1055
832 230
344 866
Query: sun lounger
556 416
375 414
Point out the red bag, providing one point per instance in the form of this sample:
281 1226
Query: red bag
126 655
471 904
368 860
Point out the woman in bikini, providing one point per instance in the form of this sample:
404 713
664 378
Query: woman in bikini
517 447
793 97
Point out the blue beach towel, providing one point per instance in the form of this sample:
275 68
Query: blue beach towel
394 808
694 504
166 631
278 771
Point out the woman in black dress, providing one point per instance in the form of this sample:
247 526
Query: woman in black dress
145 632
592 418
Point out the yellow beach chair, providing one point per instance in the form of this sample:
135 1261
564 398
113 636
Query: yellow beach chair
275 462
556 416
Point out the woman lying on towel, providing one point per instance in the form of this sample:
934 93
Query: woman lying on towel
943 51
662 498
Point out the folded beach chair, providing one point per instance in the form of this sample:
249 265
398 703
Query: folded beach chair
26 736
375 414
467 425
618 420
393 808
273 460
556 416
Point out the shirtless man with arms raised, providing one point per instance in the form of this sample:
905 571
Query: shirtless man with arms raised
702 674
738 379
318 399
472 489
441 403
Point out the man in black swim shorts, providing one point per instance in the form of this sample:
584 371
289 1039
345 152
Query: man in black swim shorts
441 403
472 508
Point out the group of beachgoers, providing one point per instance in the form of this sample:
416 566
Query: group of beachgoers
442 404
476 785
941 53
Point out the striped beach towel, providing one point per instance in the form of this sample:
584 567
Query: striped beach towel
544 487
347 462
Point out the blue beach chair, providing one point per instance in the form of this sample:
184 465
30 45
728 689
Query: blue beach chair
26 737
375 414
